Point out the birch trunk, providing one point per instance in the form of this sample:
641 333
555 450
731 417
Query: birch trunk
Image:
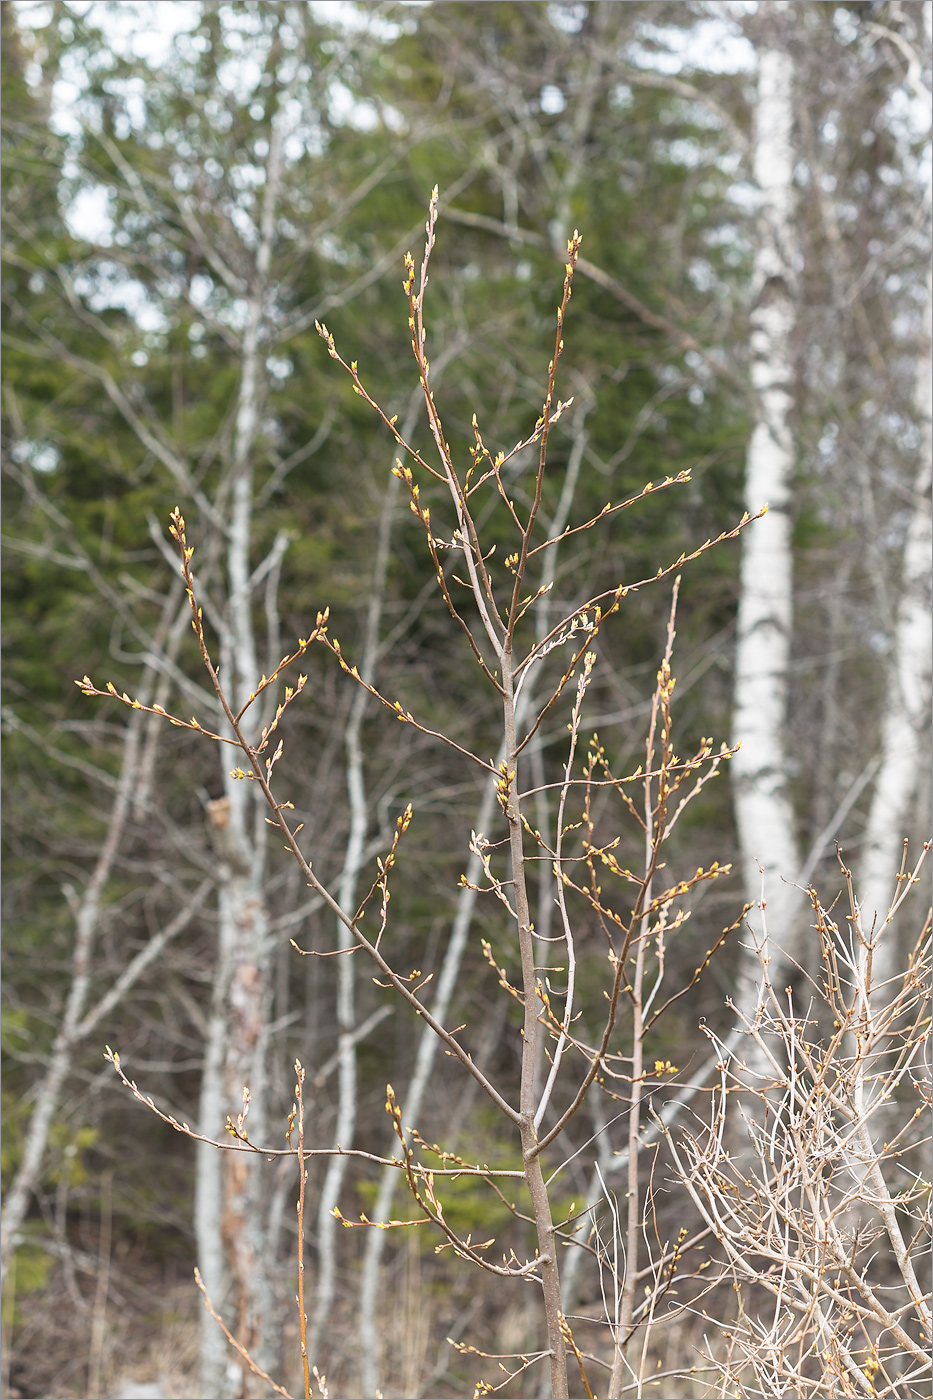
230 1210
764 817
907 692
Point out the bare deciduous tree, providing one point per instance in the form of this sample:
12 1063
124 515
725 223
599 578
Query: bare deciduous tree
824 1217
635 931
560 891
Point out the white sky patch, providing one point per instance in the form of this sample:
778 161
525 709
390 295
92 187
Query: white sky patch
686 152
66 94
111 287
34 15
392 118
134 118
88 215
240 76
552 99
41 456
907 114
746 195
244 226
341 14
568 17
144 29
333 250
200 289
714 45
347 110
235 314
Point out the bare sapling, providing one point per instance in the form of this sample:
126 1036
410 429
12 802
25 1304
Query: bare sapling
823 1220
629 924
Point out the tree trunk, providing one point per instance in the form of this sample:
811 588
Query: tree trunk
231 1195
77 1022
49 1094
907 693
346 896
763 812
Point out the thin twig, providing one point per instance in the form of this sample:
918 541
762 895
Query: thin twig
241 1350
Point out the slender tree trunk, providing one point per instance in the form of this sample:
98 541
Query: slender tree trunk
534 1176
633 1203
346 895
87 915
209 1183
447 981
545 875
907 693
230 1200
763 812
368 1310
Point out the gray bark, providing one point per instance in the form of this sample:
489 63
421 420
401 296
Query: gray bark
904 728
346 896
78 1021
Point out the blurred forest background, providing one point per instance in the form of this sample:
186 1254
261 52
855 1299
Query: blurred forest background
187 188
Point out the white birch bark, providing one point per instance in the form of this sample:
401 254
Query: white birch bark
763 813
230 1210
905 720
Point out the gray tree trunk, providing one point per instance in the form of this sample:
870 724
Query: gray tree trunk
346 895
904 727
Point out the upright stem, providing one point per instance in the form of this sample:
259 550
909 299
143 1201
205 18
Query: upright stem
546 880
534 1175
428 1045
655 819
346 895
633 1203
302 1183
